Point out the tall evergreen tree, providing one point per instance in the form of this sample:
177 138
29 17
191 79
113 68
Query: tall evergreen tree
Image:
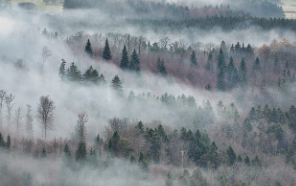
232 74
221 85
209 65
277 65
67 152
88 49
221 60
193 60
135 62
62 70
116 84
243 73
43 153
161 67
256 67
124 63
231 155
107 52
81 151
73 73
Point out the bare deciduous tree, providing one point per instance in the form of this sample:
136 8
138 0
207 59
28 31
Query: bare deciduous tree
45 114
46 53
8 100
18 120
29 121
2 96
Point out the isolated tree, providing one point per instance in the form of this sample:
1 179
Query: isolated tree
45 54
45 114
161 67
18 120
193 60
88 49
116 84
135 62
107 52
124 63
29 121
62 70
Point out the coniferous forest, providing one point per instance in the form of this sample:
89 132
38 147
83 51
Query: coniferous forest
147 92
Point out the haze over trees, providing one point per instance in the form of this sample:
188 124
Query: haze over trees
144 92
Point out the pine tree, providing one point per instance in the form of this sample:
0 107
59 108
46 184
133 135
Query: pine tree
231 155
73 73
2 142
116 84
67 152
81 151
221 60
8 142
277 65
107 52
88 49
221 85
243 73
62 70
193 60
135 62
43 153
247 160
124 63
209 65
161 67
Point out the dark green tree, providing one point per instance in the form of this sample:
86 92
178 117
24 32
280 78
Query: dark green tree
193 60
221 60
2 142
247 160
43 153
124 63
67 152
88 49
231 155
81 151
161 67
116 84
8 142
243 73
277 65
221 85
135 62
107 52
62 70
73 73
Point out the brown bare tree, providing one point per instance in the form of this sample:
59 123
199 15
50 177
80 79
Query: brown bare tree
45 114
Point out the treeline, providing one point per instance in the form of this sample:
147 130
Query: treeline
208 23
167 10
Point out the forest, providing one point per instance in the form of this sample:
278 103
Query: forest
165 93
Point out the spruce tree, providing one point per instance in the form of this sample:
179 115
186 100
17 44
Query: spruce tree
124 63
193 60
62 70
221 85
116 84
81 151
88 49
135 62
73 73
43 153
277 65
243 73
221 60
161 67
8 142
107 52
67 152
231 155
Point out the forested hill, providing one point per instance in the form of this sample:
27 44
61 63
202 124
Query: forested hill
255 8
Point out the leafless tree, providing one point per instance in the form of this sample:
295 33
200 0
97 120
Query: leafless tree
115 124
20 64
46 53
2 97
164 41
141 40
29 121
80 129
18 120
45 114
8 100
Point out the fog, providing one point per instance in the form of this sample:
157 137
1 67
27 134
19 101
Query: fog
22 41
